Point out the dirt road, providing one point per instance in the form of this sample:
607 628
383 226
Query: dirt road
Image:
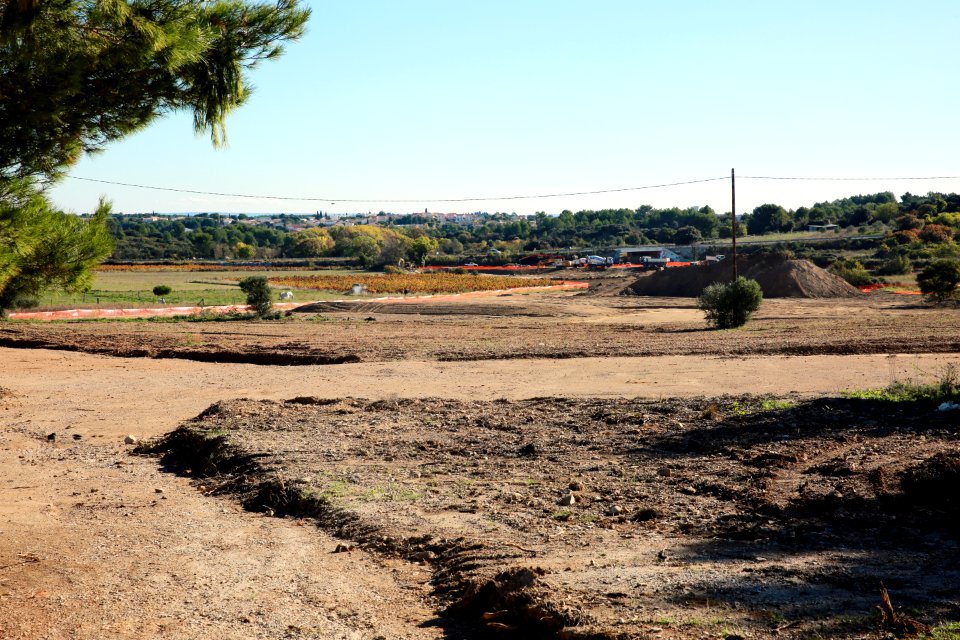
103 396
100 544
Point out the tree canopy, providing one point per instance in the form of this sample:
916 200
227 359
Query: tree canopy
75 75
41 247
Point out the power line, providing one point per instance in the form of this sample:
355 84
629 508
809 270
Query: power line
420 200
849 179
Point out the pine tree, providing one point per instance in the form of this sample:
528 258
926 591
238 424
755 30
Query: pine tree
75 75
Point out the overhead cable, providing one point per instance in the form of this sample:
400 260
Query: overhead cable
420 200
848 179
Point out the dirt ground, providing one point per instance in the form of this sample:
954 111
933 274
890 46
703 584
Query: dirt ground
706 517
101 543
516 326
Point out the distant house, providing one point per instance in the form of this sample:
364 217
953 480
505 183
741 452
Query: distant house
636 254
822 227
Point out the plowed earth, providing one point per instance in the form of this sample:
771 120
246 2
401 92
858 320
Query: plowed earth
737 518
515 326
696 518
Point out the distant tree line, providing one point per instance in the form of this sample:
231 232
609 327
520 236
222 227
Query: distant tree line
911 221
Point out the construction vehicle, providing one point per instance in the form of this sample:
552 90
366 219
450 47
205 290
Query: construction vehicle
599 262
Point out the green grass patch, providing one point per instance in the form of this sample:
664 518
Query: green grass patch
945 388
944 631
749 407
188 288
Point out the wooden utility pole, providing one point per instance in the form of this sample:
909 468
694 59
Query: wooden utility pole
733 222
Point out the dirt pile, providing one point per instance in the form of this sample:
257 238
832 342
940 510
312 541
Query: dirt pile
778 277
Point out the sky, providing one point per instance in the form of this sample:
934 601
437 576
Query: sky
438 100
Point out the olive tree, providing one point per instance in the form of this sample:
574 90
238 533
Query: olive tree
730 304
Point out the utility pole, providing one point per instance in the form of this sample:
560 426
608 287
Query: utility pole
733 221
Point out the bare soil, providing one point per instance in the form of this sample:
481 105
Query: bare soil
745 535
696 516
516 326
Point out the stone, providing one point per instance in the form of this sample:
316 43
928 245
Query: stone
614 510
130 440
568 500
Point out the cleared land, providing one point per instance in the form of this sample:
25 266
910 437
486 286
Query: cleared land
514 326
737 515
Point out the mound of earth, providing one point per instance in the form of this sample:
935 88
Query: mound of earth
778 277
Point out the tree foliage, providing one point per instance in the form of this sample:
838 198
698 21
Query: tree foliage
939 280
139 237
730 304
422 247
312 243
852 271
76 75
41 247
259 294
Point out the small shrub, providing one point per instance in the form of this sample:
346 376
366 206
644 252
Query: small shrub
392 269
939 280
852 271
259 295
936 234
731 304
907 222
26 302
895 266
906 236
161 290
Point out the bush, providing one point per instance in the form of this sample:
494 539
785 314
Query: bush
936 233
25 302
939 280
392 269
852 271
259 295
731 304
909 222
161 290
908 236
895 266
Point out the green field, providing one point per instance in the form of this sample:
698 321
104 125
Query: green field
121 288
794 236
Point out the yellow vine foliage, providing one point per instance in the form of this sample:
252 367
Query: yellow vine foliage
421 283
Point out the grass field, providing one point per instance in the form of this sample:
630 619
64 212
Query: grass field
117 288
793 236
112 288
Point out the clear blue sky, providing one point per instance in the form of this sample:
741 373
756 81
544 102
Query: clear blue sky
397 99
